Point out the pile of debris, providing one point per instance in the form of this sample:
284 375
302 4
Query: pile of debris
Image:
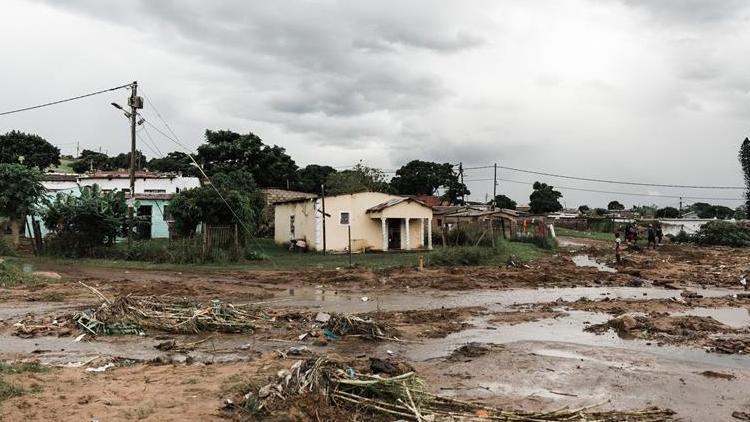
132 314
403 396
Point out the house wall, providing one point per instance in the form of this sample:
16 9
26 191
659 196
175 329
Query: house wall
304 222
366 230
159 226
166 184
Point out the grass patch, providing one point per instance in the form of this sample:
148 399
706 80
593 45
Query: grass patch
5 248
11 275
20 367
8 390
276 257
562 231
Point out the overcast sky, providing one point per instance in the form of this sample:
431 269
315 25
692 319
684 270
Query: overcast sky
648 91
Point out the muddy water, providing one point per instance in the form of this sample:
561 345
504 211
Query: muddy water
332 301
587 261
568 329
64 350
733 317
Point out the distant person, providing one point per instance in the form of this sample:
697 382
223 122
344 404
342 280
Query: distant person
617 248
651 233
659 234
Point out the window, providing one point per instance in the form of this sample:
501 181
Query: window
155 190
291 226
344 217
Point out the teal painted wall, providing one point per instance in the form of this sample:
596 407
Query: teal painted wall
159 227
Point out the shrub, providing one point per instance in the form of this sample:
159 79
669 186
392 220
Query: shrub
462 255
10 276
722 233
5 249
544 242
148 250
681 237
255 255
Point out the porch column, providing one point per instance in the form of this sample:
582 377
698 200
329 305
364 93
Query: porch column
384 226
421 233
429 233
406 224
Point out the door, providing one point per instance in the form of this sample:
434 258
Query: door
394 233
144 222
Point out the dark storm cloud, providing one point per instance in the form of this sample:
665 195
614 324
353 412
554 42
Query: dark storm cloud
692 12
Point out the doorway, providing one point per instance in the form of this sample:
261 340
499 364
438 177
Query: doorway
394 233
144 222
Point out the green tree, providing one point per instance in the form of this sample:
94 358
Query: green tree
615 206
744 157
204 205
20 189
225 150
28 149
82 223
740 213
122 161
668 212
544 199
91 160
583 209
502 201
312 176
174 162
358 179
421 177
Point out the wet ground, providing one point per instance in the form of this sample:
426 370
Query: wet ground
533 321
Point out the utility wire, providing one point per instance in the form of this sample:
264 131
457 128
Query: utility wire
64 101
626 193
587 179
200 168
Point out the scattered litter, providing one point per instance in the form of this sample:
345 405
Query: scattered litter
365 298
302 336
297 350
322 317
101 368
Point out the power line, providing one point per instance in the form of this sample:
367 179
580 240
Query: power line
587 179
64 100
625 193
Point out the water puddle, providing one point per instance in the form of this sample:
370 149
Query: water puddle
733 317
568 329
587 261
62 350
494 300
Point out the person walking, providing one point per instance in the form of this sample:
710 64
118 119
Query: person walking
659 234
651 233
618 241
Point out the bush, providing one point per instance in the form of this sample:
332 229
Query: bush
681 237
5 249
462 255
10 276
255 255
466 235
722 233
544 242
148 250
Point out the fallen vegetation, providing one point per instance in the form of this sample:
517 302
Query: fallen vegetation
403 396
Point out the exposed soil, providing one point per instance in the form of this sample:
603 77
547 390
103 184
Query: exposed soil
166 376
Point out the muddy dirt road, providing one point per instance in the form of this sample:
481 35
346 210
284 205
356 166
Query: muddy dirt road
668 328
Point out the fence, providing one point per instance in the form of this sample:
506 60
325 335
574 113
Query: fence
220 239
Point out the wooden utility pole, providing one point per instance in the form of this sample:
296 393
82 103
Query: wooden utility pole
494 189
135 102
461 174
